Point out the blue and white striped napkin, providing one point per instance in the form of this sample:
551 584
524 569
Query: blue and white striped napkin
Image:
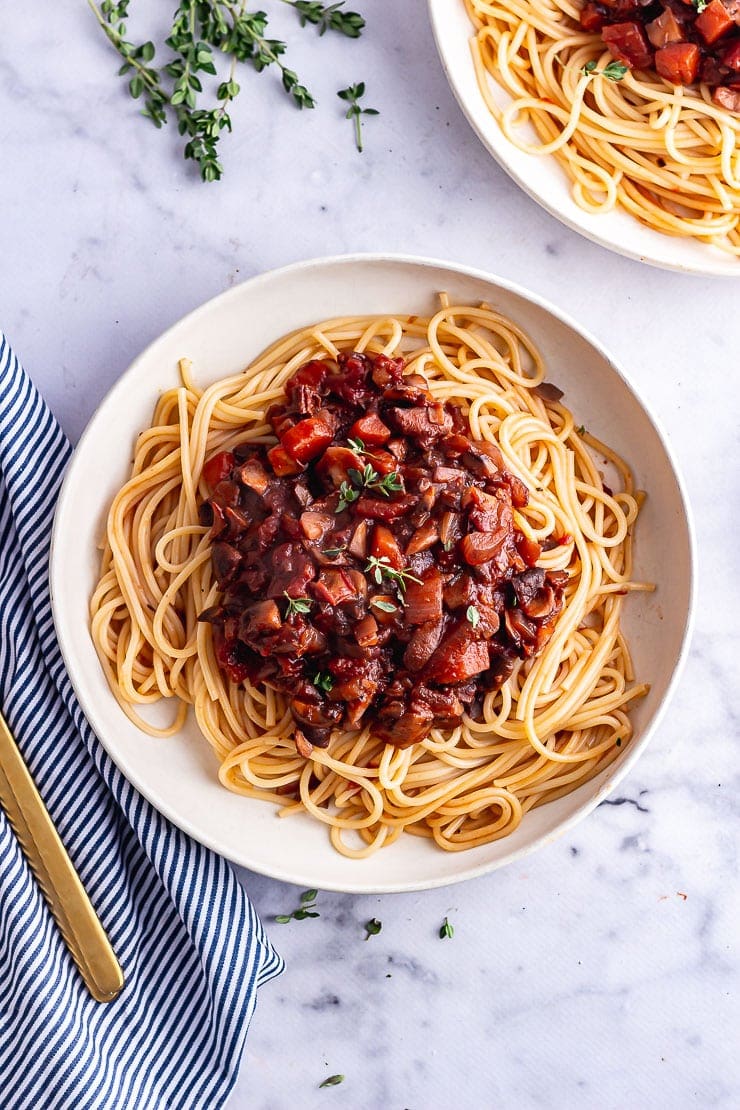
192 948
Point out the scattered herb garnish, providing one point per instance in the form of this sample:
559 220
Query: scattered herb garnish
346 496
323 681
446 930
306 909
581 429
297 604
614 71
368 478
332 1081
380 567
373 927
448 545
328 17
386 606
332 552
353 94
202 30
472 615
357 445
700 5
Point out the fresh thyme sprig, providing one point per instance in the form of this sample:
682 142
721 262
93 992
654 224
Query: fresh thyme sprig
354 93
306 909
328 17
386 606
297 604
370 479
201 29
614 71
346 496
446 931
380 567
472 615
367 478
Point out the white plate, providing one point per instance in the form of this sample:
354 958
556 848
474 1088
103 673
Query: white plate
544 179
178 775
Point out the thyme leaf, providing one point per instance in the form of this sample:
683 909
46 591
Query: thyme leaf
353 94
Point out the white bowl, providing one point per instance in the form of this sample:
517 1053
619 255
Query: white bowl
544 179
179 775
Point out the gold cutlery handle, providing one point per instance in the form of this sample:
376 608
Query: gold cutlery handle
55 873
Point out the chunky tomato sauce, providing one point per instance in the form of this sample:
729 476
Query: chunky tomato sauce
685 41
369 563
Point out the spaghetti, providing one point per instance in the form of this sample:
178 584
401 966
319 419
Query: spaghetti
562 716
667 154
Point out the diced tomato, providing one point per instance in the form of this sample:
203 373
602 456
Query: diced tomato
727 98
282 463
665 29
313 373
628 44
714 22
731 56
384 545
678 62
307 439
529 550
591 18
225 650
371 430
218 467
458 657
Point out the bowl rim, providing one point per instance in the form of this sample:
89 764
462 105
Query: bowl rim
487 130
623 765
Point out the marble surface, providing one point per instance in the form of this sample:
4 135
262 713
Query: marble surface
603 972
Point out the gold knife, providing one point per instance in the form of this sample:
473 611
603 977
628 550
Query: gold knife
68 901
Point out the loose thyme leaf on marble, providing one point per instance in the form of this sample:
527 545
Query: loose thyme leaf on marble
353 94
332 1081
373 927
446 930
328 17
306 909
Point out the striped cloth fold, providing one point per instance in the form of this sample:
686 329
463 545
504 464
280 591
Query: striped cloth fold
192 948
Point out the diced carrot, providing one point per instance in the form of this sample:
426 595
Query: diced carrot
307 439
678 62
714 22
371 430
282 463
384 545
